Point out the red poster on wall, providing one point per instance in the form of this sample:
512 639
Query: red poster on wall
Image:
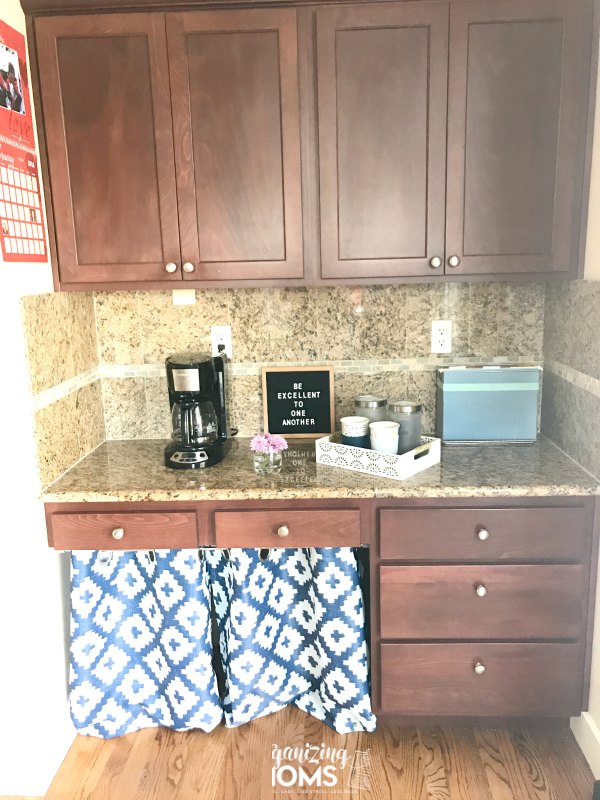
22 232
16 124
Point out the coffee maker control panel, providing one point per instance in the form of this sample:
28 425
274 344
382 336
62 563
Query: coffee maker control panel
188 457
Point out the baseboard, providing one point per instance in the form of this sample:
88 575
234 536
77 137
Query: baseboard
587 734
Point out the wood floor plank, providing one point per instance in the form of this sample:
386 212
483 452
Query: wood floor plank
528 773
397 765
203 766
406 763
493 762
563 764
293 728
87 756
453 770
120 766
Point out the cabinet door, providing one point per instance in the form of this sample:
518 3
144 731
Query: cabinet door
234 80
382 85
517 96
107 117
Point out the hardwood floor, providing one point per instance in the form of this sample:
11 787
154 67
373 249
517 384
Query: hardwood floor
400 763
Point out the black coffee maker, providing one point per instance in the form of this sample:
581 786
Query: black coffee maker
198 416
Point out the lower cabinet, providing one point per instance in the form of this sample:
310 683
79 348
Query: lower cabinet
482 612
479 608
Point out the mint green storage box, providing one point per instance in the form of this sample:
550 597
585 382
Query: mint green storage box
488 404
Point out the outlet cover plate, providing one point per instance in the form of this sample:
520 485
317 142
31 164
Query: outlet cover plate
220 336
441 336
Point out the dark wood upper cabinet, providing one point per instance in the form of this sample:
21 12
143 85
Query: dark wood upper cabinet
107 120
179 166
382 88
234 87
517 103
374 142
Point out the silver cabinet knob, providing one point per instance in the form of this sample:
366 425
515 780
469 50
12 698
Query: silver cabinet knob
453 261
188 267
479 668
435 262
118 533
481 590
283 530
483 534
171 267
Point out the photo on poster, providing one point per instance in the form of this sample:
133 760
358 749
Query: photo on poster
11 86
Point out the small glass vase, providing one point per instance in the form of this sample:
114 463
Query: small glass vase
268 463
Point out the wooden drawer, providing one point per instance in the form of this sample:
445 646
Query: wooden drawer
305 528
519 679
521 602
453 534
141 531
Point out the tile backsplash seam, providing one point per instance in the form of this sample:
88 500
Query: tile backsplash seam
580 379
48 396
81 458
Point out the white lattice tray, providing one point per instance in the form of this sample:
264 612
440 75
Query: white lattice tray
332 452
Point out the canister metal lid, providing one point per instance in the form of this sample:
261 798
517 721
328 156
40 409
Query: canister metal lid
404 407
369 401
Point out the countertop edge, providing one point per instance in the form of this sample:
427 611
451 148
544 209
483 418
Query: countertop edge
474 492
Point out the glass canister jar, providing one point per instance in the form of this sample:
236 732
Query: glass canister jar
408 414
371 406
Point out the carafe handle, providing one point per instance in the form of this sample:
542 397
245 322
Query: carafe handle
186 426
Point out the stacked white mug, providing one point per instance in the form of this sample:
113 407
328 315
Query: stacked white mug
384 436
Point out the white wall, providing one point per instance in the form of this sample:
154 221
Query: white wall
35 729
587 727
592 250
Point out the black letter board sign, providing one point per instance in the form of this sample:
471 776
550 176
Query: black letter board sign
298 401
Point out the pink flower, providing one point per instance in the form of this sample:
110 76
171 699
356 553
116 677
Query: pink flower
268 443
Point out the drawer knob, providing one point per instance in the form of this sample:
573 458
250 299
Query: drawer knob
454 261
283 530
188 267
171 267
436 262
481 590
483 534
118 533
479 668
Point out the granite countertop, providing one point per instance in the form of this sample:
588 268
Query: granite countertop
133 470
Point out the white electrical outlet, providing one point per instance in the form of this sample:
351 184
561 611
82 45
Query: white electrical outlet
220 340
441 336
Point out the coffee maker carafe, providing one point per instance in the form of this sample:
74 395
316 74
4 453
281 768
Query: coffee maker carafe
199 435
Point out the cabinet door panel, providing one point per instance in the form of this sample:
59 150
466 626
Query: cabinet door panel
382 123
516 124
234 78
109 137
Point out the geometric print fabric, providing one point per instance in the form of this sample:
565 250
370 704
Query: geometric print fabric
141 653
291 629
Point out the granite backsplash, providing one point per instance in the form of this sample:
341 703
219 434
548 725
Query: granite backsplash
114 344
62 351
571 390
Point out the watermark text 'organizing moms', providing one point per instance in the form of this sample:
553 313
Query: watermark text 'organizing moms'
311 765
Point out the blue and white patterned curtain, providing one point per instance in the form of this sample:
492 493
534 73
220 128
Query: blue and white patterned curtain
291 630
141 653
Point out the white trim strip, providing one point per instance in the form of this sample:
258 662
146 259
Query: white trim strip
49 396
422 364
574 376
